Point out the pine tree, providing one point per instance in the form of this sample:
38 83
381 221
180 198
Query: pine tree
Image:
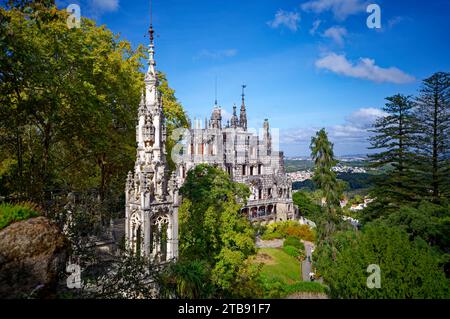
394 137
324 178
432 112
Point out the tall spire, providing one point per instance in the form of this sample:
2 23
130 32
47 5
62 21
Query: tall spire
234 119
151 47
243 115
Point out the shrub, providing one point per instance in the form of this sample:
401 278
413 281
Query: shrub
295 242
301 232
306 286
272 287
11 213
273 235
289 229
292 251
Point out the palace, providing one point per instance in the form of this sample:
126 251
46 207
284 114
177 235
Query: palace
247 157
152 199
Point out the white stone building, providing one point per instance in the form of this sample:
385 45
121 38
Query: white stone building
248 157
151 212
152 198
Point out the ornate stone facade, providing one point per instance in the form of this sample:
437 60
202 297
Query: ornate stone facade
152 200
151 223
248 158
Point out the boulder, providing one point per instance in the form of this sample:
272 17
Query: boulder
33 253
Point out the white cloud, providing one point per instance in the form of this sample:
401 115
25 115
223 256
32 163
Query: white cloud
315 26
355 130
365 68
337 133
226 116
287 19
216 54
105 5
341 9
365 117
337 34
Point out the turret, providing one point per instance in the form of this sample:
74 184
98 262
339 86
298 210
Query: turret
267 138
216 118
243 115
234 119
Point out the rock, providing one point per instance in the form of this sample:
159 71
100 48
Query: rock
33 253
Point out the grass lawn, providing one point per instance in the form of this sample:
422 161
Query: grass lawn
279 266
282 276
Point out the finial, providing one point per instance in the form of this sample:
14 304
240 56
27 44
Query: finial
151 31
243 91
215 91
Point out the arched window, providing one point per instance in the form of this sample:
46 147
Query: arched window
159 237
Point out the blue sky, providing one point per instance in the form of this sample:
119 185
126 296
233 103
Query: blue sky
307 64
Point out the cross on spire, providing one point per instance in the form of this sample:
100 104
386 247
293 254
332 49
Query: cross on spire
151 31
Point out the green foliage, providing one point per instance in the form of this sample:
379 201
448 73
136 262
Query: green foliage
409 269
394 137
305 286
427 221
280 267
11 213
289 228
292 251
271 235
306 205
189 279
295 242
213 230
69 99
129 276
324 178
281 275
433 121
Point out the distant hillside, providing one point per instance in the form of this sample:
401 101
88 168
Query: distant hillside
294 165
355 181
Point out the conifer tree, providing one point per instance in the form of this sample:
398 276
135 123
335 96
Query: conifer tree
324 178
394 137
432 112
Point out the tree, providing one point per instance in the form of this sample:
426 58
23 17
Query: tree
127 276
68 99
433 114
324 178
427 221
188 279
213 230
33 5
394 136
409 269
306 205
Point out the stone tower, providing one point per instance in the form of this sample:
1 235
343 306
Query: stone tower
243 115
151 225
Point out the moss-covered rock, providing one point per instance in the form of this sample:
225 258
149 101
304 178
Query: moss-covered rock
32 254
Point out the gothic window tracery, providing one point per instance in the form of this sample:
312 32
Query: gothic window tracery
136 232
159 237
